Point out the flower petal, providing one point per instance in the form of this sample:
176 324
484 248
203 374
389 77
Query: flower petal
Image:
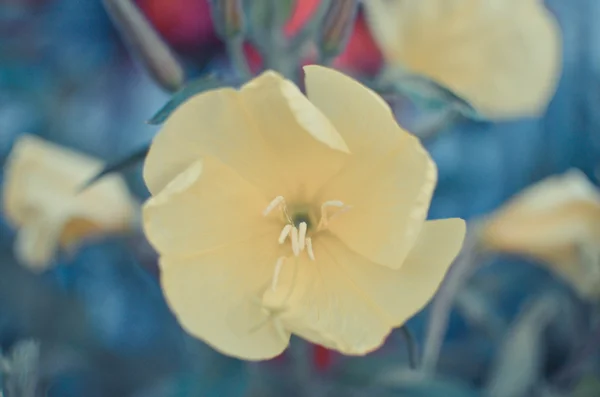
37 242
205 207
317 301
361 116
212 294
42 176
403 292
502 56
41 194
212 123
306 145
389 198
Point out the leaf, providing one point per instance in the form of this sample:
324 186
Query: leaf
119 165
427 94
194 87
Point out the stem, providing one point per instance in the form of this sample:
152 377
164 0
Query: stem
309 30
443 301
588 349
411 347
428 130
235 51
301 364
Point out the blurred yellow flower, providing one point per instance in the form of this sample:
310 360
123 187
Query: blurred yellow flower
41 199
274 213
556 221
503 56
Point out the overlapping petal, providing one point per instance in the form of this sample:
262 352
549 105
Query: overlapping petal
403 292
212 123
212 296
307 147
362 117
389 198
266 132
205 207
321 304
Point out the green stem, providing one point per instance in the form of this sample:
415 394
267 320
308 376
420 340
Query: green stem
411 347
235 51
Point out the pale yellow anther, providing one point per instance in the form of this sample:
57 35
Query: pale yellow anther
341 208
294 238
277 201
285 233
302 235
309 249
331 203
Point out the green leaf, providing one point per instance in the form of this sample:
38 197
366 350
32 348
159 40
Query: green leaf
119 165
429 95
194 87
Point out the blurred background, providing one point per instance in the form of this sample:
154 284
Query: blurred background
95 322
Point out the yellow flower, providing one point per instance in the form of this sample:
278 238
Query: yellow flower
274 213
503 56
41 199
557 222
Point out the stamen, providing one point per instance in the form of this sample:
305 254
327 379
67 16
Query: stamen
341 211
277 201
278 266
331 203
284 233
309 249
295 245
302 235
324 221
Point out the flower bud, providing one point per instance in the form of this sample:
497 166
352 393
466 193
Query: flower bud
144 42
228 17
336 27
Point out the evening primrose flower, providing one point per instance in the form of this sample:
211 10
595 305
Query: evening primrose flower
41 199
557 222
274 213
503 56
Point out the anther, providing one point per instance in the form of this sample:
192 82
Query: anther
341 211
309 249
324 221
284 233
295 245
278 266
277 201
302 235
331 203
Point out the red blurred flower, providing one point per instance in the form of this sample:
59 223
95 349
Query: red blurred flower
184 24
322 358
361 54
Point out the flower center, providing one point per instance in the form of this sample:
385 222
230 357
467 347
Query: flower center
301 217
299 225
